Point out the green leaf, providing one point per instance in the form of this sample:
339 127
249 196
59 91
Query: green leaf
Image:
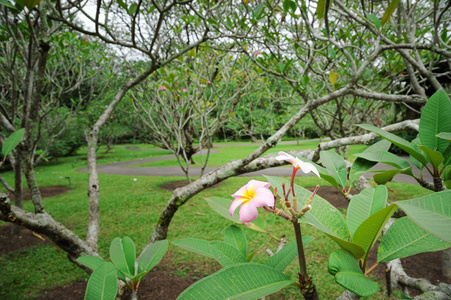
8 4
389 11
444 135
431 212
365 204
30 4
435 118
386 158
241 281
198 246
386 176
102 284
333 77
221 206
226 254
368 232
123 255
335 165
133 8
405 238
235 237
289 4
92 262
415 161
122 4
375 20
401 143
322 215
360 165
152 255
435 157
12 141
321 9
258 11
285 256
345 267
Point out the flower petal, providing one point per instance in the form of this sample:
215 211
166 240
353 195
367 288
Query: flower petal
308 167
263 197
254 184
242 192
237 202
248 212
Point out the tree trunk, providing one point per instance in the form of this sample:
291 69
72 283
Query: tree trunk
446 263
93 191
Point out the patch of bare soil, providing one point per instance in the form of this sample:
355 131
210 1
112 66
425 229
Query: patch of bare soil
46 192
164 283
23 239
170 186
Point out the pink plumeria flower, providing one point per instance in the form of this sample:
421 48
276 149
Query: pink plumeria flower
297 163
162 88
254 194
185 90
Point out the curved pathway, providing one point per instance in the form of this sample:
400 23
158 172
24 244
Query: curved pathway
123 168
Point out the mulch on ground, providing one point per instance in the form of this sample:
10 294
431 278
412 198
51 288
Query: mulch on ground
164 284
46 192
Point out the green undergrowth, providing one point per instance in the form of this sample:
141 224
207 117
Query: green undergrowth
130 206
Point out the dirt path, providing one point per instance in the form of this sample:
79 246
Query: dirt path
123 168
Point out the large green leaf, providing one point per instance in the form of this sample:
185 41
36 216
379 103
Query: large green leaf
198 246
386 158
92 262
415 161
434 157
405 238
322 215
242 281
226 254
221 206
152 255
360 165
431 212
447 156
235 237
401 143
435 118
12 141
335 165
365 204
123 255
345 267
102 284
285 256
369 231
386 175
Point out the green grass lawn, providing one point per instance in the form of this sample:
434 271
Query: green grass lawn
131 208
227 152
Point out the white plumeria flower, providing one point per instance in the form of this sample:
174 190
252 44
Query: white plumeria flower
135 179
297 163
